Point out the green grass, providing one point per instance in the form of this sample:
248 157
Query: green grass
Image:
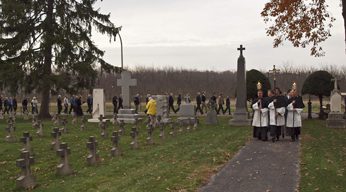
323 158
183 163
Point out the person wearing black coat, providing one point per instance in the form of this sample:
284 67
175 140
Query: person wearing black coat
171 103
78 106
120 99
59 104
199 103
115 104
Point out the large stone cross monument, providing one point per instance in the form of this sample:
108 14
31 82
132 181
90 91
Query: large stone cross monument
125 82
240 117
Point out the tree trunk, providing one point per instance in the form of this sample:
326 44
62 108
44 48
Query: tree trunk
344 15
46 68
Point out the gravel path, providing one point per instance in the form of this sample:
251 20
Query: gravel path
260 167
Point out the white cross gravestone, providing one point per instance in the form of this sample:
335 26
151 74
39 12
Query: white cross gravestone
98 105
125 82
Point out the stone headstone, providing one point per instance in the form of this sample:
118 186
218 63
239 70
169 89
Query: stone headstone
125 82
127 116
26 140
150 129
335 116
162 114
115 151
56 133
134 135
98 105
102 126
240 116
83 124
93 158
64 125
11 127
39 128
26 180
211 118
187 116
64 167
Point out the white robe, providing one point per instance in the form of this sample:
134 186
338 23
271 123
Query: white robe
260 116
276 115
294 118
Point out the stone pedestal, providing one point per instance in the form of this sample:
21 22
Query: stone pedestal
335 120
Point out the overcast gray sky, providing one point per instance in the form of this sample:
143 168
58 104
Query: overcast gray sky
204 35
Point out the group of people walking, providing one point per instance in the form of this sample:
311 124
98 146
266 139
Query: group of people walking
9 105
202 105
277 114
73 104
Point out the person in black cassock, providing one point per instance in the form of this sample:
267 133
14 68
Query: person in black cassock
294 119
260 117
171 103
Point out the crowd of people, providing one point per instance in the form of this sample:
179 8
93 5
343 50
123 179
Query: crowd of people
202 104
277 114
67 105
9 105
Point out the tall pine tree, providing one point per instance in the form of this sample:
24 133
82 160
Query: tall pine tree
46 45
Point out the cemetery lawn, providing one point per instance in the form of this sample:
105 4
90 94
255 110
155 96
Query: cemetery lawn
323 158
183 163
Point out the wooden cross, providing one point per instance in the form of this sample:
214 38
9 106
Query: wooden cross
274 71
241 49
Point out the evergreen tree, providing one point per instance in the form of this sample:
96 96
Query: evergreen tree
46 45
252 78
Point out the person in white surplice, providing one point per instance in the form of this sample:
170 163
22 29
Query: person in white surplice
260 117
277 108
294 119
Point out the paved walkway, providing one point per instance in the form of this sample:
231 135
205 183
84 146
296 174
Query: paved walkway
260 167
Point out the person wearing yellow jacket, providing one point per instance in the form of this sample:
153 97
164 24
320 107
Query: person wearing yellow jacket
151 110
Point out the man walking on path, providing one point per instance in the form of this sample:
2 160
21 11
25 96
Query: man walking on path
171 103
